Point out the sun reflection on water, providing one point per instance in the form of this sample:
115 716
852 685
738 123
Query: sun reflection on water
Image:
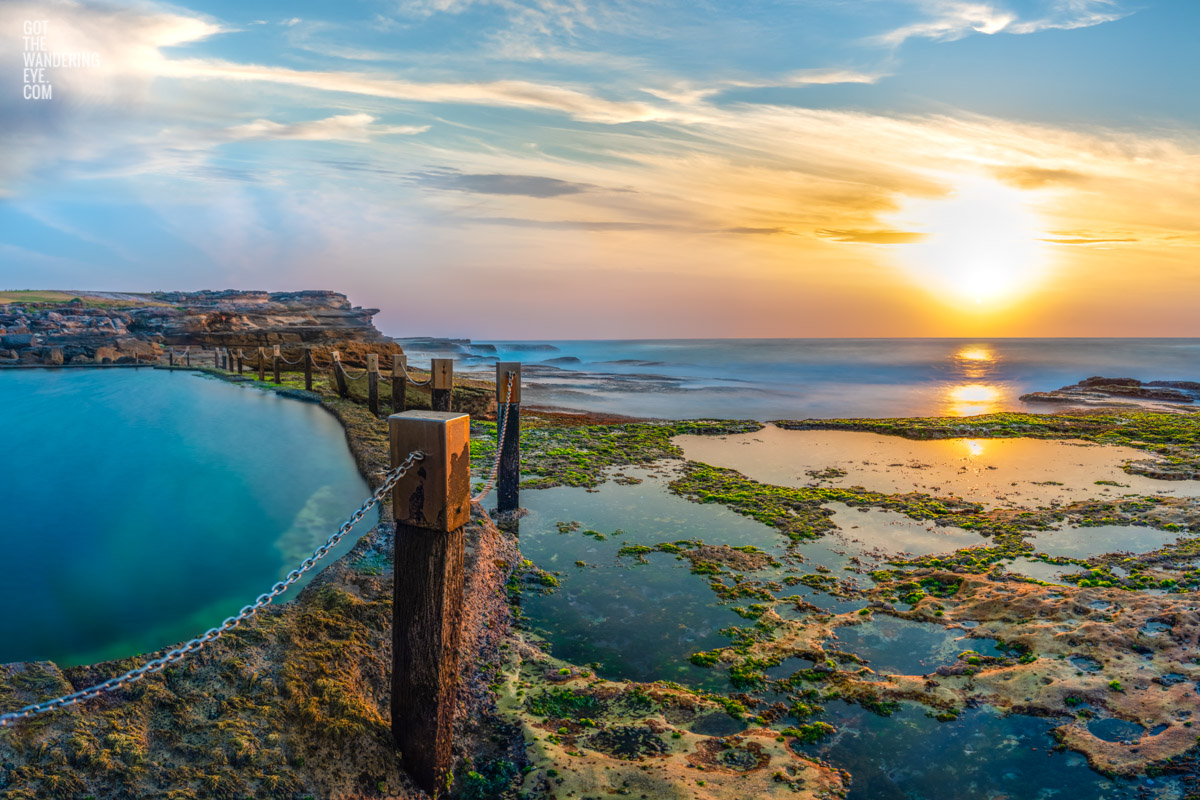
971 392
967 400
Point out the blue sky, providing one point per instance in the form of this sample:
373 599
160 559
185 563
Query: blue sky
612 169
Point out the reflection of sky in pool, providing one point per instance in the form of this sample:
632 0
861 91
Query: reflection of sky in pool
904 647
982 755
1087 542
638 621
1008 472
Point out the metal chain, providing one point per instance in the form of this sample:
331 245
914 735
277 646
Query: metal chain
501 429
212 634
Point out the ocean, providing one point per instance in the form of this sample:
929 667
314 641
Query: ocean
813 378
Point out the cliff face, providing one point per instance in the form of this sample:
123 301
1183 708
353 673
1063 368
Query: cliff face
81 331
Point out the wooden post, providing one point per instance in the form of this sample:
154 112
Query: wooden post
227 359
275 364
508 435
399 383
441 384
262 364
431 504
170 358
373 383
339 377
308 369
187 355
241 360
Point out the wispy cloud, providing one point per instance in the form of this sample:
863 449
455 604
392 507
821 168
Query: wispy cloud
523 185
948 20
344 127
871 237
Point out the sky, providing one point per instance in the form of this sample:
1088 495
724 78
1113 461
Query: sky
608 169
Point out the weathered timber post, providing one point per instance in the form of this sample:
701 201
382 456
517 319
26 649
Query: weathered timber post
262 364
399 383
187 355
441 383
373 383
431 504
275 364
241 360
227 359
308 369
508 435
338 375
170 358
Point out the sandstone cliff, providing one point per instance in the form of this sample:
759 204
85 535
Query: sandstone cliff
120 327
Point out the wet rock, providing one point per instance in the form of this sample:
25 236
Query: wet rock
629 742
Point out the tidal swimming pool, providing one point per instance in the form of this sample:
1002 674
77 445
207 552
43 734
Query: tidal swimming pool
142 507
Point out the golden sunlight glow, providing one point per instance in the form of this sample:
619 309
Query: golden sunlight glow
974 354
982 242
969 399
974 447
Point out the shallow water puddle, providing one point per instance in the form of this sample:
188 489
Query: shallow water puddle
1088 542
868 529
1115 730
900 646
638 621
1041 570
982 755
994 472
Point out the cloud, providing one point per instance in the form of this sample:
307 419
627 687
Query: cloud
572 224
747 231
686 93
502 93
949 20
1088 241
526 185
1025 177
871 236
344 127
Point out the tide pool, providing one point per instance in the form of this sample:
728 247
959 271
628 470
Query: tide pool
142 507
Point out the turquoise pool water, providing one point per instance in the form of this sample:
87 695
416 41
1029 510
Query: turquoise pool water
140 507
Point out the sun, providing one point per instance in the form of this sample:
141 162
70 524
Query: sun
982 245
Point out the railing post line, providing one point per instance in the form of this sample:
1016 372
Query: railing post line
373 383
431 504
399 383
339 376
275 363
441 384
308 369
508 478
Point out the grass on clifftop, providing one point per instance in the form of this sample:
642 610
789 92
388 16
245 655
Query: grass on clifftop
26 296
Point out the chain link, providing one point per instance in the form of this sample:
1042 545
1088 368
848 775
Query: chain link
212 634
501 429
